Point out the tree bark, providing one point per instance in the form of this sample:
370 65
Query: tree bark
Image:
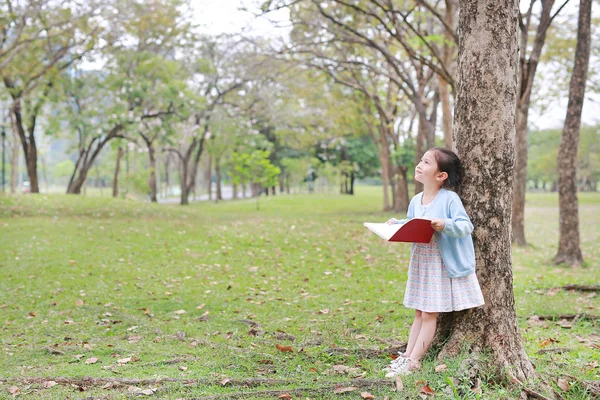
569 251
402 199
209 181
527 70
218 179
152 178
14 157
115 191
86 159
484 119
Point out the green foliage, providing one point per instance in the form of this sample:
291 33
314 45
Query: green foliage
543 149
63 169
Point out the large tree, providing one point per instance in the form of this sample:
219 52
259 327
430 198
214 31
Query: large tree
529 58
569 250
484 133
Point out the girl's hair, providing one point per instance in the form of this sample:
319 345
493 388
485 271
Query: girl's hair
448 162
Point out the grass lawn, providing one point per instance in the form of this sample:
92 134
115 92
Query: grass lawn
218 300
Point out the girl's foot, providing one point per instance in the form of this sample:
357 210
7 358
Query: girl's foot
401 359
402 368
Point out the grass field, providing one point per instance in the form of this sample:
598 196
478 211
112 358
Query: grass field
224 301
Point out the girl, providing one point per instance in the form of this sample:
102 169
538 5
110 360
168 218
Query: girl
441 274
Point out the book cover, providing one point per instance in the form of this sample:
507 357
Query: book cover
417 230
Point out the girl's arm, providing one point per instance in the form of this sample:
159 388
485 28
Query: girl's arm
459 224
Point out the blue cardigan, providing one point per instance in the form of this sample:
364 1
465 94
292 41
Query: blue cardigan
455 241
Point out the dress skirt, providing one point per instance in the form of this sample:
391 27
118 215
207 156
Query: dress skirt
430 289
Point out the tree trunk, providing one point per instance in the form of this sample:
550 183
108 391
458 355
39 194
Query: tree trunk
152 178
518 206
14 161
485 119
527 70
27 143
446 112
569 251
87 156
209 174
235 191
352 178
218 178
115 191
401 189
167 175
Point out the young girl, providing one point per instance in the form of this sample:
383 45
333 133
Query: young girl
441 275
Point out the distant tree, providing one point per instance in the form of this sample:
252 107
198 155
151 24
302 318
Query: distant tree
569 247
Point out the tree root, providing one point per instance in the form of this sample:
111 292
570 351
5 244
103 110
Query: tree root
568 317
582 288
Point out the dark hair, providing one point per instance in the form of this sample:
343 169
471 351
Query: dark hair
448 162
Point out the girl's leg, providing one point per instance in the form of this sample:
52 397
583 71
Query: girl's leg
426 334
414 333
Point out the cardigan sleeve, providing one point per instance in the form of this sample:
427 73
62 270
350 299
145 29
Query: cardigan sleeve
458 224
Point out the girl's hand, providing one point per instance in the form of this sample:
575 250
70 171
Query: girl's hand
392 221
438 224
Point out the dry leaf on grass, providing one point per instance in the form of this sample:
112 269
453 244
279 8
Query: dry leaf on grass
285 396
441 368
426 390
366 395
285 349
399 385
91 360
224 381
179 312
49 384
563 384
124 360
339 389
14 390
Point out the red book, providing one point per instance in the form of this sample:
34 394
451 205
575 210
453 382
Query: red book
417 230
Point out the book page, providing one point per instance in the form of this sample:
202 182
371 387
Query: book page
384 231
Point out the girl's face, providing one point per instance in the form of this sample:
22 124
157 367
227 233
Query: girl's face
427 171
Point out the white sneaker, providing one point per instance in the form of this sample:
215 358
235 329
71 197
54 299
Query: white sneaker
400 369
401 359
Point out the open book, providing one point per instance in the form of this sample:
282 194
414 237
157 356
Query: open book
417 230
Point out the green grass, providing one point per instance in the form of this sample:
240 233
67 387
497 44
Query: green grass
103 278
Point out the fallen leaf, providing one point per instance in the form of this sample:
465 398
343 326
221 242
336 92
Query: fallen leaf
148 392
346 389
563 384
134 339
91 360
426 390
285 396
79 302
124 360
366 395
324 311
399 385
548 341
183 368
54 351
87 346
440 368
224 381
179 312
14 390
49 384
285 349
